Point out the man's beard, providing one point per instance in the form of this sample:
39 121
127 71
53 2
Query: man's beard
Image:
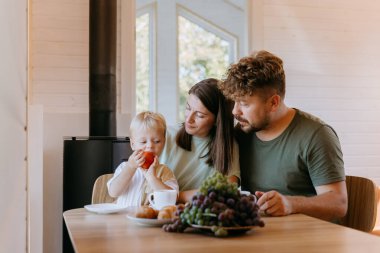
250 128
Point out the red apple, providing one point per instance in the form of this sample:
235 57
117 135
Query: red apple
149 158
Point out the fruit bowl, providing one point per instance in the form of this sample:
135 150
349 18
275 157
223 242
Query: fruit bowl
218 207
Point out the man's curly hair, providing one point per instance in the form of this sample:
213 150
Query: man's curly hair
261 71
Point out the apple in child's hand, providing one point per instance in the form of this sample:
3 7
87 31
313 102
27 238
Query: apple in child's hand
149 159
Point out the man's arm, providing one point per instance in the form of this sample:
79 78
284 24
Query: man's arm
329 203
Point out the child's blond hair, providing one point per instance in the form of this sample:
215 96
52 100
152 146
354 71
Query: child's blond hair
148 120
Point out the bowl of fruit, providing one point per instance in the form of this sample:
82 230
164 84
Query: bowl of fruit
218 207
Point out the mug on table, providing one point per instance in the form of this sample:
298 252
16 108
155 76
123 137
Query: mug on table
161 198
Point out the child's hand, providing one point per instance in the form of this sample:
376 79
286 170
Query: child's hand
151 172
136 159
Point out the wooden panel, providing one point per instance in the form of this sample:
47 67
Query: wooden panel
60 35
60 48
63 61
59 87
330 51
59 55
60 8
61 22
60 74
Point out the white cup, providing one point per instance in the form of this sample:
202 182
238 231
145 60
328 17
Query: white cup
162 198
248 193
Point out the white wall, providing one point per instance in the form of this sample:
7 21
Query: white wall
56 126
330 51
13 92
35 179
59 52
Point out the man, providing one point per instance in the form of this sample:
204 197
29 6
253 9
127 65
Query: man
290 159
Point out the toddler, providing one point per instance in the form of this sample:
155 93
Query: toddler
131 183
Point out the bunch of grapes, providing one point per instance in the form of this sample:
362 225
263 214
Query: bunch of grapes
217 204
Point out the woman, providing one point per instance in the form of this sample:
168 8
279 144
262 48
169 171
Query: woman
204 142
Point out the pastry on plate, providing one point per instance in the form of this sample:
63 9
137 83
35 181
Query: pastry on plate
167 212
146 212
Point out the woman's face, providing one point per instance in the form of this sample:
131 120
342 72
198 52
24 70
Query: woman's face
199 121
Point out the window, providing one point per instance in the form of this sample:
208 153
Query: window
179 43
145 67
142 63
202 54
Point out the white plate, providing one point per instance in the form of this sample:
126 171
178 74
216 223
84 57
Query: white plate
148 222
105 208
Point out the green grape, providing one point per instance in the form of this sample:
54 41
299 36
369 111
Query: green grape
214 228
221 232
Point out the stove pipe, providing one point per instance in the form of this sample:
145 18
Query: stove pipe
102 87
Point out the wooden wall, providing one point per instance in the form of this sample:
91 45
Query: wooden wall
59 54
330 50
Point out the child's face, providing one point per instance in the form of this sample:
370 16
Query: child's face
152 140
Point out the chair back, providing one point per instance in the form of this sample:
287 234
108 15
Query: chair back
100 191
362 204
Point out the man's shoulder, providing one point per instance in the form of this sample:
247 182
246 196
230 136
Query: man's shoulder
309 125
309 122
309 118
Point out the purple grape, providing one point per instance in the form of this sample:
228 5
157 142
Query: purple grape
221 217
230 202
212 195
201 197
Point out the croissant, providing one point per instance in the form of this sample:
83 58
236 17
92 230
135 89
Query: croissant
168 212
146 212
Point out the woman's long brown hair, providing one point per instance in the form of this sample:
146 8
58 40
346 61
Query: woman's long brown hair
221 142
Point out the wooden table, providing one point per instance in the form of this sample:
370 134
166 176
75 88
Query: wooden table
114 233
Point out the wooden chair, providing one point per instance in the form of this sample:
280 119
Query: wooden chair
362 204
100 191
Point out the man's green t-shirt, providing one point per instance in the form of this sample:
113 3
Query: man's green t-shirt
305 155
